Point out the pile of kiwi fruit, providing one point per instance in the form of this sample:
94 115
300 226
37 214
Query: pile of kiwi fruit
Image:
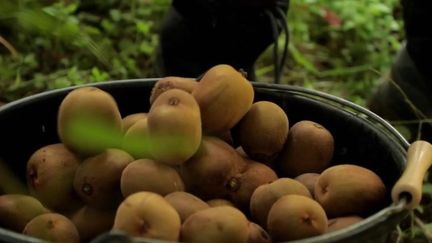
206 163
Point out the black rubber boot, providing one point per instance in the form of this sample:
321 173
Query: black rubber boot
198 34
406 95
405 98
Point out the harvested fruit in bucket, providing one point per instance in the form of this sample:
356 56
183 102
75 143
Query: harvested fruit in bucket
204 163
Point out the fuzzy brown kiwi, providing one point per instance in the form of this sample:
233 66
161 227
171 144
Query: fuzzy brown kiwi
216 224
257 234
342 222
130 119
150 175
136 140
148 215
217 202
224 96
266 195
16 210
309 180
209 171
295 217
88 105
50 174
172 82
91 222
262 131
185 204
52 227
174 125
347 189
308 149
97 179
244 184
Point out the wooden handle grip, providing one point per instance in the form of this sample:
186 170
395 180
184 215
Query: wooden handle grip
410 184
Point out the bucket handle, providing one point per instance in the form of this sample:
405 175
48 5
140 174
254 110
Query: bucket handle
409 187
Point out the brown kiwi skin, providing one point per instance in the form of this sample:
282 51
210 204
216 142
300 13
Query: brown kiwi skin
174 124
172 82
347 189
266 195
309 180
89 103
295 217
136 140
216 224
52 227
91 222
263 130
16 210
224 96
217 202
342 222
185 203
50 171
148 215
244 184
207 173
97 189
308 149
257 234
130 119
150 175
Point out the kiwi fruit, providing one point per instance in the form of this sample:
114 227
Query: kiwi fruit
172 82
217 202
265 195
52 227
174 124
216 224
148 215
342 222
244 184
91 222
16 210
87 106
295 217
207 173
348 189
185 204
308 149
224 96
130 119
226 137
262 131
257 234
150 175
136 140
97 179
242 153
309 180
50 174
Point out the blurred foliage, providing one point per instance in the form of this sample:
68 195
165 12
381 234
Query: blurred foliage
54 44
339 47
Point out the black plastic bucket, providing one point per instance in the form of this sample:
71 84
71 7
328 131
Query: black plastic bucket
361 137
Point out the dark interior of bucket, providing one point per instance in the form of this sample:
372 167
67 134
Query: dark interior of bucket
31 123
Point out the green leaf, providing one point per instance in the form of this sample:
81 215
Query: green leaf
427 189
143 27
116 15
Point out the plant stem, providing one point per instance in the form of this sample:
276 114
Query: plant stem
9 46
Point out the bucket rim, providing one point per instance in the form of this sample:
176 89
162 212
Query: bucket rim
268 86
367 223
